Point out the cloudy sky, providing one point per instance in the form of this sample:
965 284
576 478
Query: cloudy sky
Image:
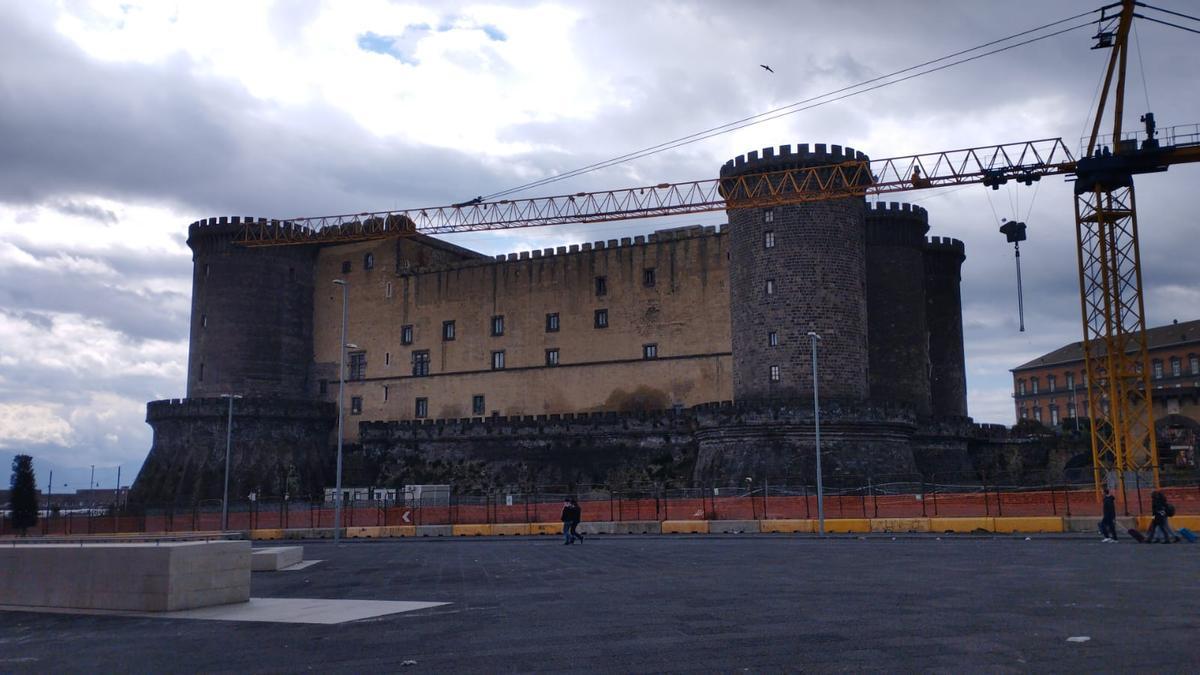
121 122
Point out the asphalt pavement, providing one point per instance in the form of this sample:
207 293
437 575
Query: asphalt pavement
632 604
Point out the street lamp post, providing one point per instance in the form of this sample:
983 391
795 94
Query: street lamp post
228 443
817 431
337 489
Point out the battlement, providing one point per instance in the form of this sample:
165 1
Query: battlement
897 210
772 159
659 236
945 245
228 226
174 408
896 224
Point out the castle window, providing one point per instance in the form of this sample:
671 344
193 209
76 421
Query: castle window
1176 367
498 325
1158 369
447 330
323 387
205 270
602 318
774 373
1020 387
387 292
420 363
421 410
406 334
773 339
552 323
355 405
650 351
769 239
368 261
204 321
601 286
1033 382
201 372
387 358
358 366
770 287
498 360
768 215
477 404
552 357
385 393
345 267
1050 382
648 277
1194 363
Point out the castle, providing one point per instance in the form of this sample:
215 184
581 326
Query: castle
688 347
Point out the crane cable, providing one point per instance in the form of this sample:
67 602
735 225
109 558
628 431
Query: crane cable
806 104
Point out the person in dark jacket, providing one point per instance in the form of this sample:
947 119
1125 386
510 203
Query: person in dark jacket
1158 509
1108 526
571 515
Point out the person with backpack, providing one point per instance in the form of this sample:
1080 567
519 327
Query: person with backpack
571 515
1158 511
1108 526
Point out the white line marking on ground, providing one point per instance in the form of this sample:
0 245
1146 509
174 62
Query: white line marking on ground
299 566
1079 638
277 610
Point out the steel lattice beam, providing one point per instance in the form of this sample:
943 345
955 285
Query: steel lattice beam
994 164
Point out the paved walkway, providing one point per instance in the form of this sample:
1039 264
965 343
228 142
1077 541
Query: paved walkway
667 604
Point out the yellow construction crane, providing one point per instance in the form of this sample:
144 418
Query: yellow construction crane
1110 278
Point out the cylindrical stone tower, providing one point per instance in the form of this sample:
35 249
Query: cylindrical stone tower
899 345
252 313
795 269
943 314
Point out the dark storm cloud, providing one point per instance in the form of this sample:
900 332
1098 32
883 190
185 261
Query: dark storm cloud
57 282
163 133
85 210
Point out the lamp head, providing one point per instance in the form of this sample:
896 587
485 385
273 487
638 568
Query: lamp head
812 334
340 282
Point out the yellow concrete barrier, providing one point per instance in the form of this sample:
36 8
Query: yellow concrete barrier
961 524
471 530
685 527
398 531
1190 522
363 532
545 528
1143 523
266 535
510 529
847 525
1028 524
788 526
899 524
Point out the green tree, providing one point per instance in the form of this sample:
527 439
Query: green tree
23 496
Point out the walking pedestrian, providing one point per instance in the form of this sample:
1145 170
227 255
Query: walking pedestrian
567 515
1158 510
576 517
1108 526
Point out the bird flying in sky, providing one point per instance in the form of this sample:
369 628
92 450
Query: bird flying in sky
766 68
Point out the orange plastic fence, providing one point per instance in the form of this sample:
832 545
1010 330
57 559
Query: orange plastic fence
470 510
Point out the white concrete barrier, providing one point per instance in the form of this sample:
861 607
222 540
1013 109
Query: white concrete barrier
147 577
275 558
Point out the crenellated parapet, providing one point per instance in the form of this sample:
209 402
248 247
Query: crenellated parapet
784 158
261 408
896 224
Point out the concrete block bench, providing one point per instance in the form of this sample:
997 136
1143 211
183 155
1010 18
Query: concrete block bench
275 558
147 577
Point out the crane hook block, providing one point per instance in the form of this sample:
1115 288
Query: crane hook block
1014 231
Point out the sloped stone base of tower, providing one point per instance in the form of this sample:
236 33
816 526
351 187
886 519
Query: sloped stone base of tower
778 443
278 447
941 448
